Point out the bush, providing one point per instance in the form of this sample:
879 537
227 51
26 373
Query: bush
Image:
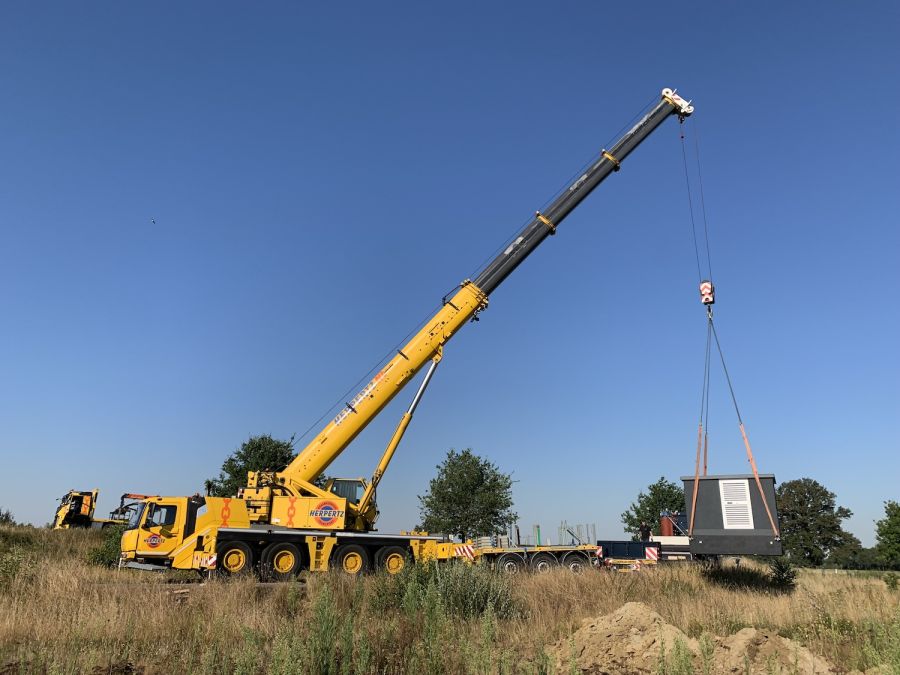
890 580
6 517
464 590
783 575
107 554
13 563
13 537
780 577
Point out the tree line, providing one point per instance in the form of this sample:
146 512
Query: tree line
470 497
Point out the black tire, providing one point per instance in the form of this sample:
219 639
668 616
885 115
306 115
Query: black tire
280 562
576 562
234 558
392 559
543 563
510 563
351 559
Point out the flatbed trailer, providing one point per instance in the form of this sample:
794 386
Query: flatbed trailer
514 559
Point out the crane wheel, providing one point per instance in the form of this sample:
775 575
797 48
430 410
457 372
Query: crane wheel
281 561
510 563
543 563
233 558
351 559
576 562
391 559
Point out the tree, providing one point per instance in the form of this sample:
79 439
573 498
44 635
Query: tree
258 453
811 522
663 495
887 535
469 497
850 555
6 517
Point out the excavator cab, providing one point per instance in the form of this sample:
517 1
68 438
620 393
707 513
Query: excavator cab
76 509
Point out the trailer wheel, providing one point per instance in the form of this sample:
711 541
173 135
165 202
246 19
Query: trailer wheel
281 562
352 559
391 559
576 562
510 563
543 562
234 557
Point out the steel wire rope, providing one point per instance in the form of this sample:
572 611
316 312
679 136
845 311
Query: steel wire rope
725 368
687 183
704 397
702 197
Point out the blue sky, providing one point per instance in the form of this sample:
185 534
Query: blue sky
320 176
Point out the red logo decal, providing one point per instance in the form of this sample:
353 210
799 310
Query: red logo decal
226 512
326 513
291 511
154 540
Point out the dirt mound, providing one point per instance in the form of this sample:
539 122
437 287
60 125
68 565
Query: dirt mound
766 652
635 639
629 640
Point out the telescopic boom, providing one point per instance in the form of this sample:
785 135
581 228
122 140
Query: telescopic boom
471 298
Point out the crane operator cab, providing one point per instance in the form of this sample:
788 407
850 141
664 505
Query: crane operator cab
363 508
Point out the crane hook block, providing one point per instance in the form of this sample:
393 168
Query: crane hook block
707 293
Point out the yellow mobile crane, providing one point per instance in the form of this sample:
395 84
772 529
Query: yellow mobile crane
281 522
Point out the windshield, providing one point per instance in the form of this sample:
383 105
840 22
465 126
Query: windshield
136 514
350 489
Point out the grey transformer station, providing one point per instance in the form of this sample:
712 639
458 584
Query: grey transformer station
731 516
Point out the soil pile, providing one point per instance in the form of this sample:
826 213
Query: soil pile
766 652
635 639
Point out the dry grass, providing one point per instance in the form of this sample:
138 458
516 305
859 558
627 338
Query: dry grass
62 615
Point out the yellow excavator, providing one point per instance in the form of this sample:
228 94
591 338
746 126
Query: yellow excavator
76 510
282 523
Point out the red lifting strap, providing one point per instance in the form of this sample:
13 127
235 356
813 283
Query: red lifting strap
696 480
758 483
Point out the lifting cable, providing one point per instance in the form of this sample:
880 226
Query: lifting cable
707 297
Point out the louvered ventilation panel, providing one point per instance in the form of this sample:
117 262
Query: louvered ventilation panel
736 511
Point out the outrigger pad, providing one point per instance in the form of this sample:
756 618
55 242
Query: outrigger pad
731 515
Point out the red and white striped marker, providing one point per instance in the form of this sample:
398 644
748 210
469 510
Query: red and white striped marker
707 293
651 553
464 551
